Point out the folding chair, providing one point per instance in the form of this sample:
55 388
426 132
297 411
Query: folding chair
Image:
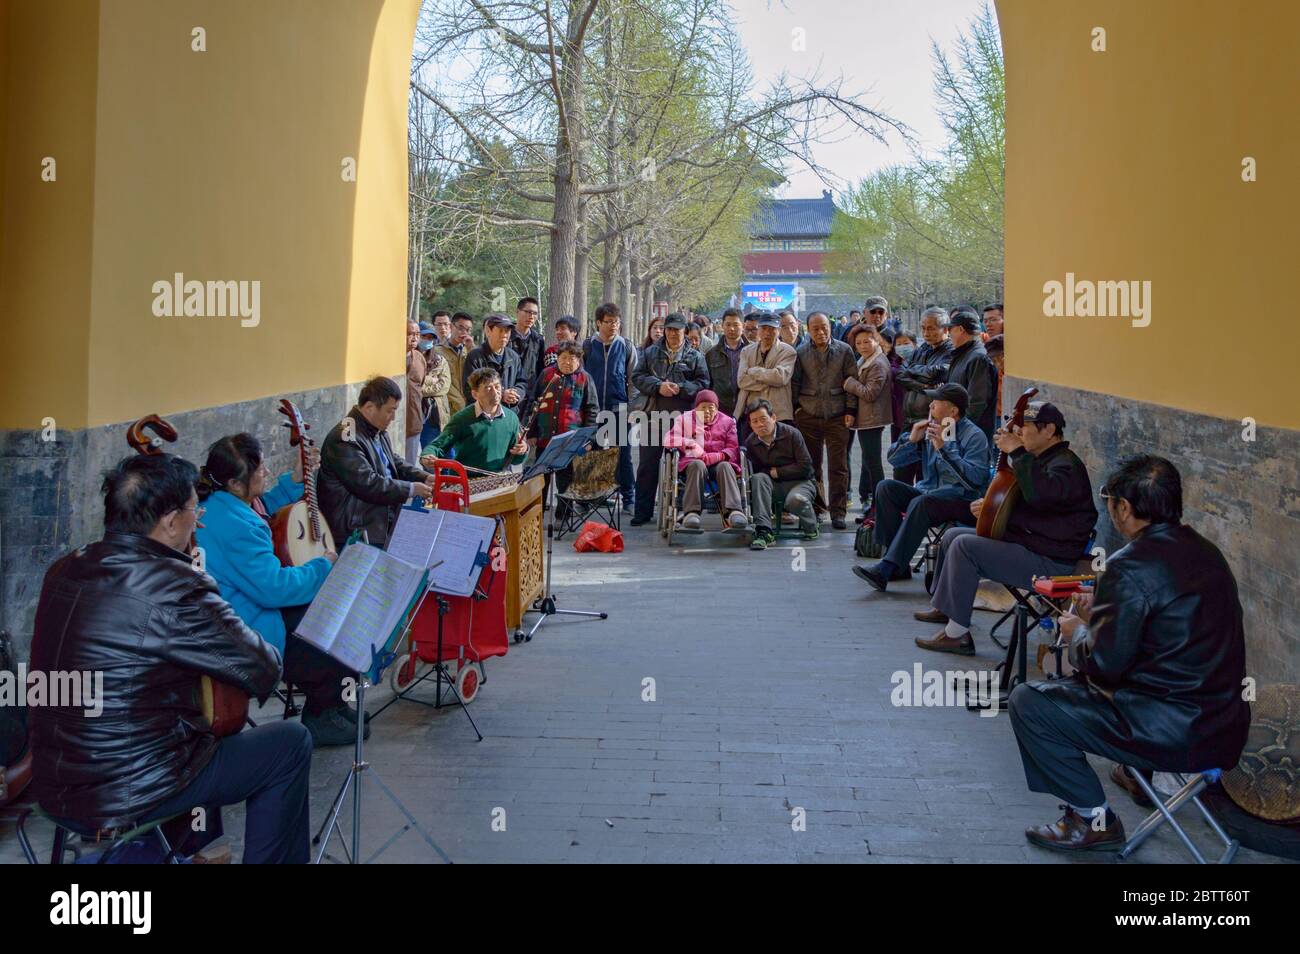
1165 809
1026 598
123 843
593 492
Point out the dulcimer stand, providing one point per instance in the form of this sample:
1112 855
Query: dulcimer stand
559 454
360 770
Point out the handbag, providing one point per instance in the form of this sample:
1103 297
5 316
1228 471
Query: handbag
864 542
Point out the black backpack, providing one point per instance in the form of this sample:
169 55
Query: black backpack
864 543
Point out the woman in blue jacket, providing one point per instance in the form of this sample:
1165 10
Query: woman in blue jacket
238 553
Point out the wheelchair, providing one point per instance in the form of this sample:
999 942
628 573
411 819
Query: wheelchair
672 483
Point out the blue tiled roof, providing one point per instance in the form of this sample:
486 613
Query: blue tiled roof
793 218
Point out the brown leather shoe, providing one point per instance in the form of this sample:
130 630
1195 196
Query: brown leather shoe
1073 832
931 616
1119 775
943 643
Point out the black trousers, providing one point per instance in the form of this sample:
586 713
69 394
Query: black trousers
1054 746
904 514
647 480
316 673
268 768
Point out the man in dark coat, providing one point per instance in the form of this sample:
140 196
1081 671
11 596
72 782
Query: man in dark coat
669 374
972 369
495 353
530 345
133 610
362 483
723 360
824 411
924 371
1160 659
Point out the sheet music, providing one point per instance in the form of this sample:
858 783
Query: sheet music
414 535
462 538
359 605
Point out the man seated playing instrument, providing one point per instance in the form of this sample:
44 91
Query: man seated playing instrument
783 475
954 458
133 609
707 440
1160 660
486 435
1045 535
362 482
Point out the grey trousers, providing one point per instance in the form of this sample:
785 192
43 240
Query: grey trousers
968 558
792 496
728 486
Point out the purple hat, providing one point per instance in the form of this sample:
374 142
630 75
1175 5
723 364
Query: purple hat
703 396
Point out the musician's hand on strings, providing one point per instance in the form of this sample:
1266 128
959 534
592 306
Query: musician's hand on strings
1006 441
313 463
330 555
520 448
975 507
427 461
423 491
1068 625
1083 605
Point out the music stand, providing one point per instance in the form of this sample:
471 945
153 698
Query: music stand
558 455
360 765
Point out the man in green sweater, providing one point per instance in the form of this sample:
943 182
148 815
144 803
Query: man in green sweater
485 435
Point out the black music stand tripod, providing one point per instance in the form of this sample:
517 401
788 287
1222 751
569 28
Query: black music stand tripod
354 779
559 454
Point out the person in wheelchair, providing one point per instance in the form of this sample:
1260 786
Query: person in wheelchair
707 440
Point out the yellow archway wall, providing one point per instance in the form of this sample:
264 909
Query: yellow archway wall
222 165
226 165
1127 165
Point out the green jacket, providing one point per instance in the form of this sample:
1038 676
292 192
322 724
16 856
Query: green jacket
478 442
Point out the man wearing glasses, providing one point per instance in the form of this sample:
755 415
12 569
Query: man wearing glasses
1046 535
877 309
133 608
530 345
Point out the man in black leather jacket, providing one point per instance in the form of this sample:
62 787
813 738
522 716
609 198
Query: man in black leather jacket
134 608
1160 666
361 483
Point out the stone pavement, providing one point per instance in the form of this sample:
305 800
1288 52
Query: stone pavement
772 682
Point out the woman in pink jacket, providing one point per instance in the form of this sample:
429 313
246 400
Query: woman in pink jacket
707 440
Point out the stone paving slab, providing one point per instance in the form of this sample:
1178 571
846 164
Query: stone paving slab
772 694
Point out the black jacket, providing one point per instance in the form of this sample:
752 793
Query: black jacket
927 369
356 491
1162 666
722 375
138 612
1056 513
787 453
530 348
817 386
654 368
506 364
972 369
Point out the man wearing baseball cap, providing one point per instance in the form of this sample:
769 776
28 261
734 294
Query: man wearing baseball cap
954 458
876 311
1046 533
495 353
764 371
972 369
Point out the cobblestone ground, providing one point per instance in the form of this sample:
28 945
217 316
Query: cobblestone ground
772 677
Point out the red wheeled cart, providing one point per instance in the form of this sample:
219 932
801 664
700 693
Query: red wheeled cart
473 627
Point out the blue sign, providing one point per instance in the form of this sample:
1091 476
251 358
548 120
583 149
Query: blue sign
770 296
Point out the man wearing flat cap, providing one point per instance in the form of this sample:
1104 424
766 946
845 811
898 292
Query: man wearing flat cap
765 370
495 353
972 369
670 373
876 311
954 458
1046 534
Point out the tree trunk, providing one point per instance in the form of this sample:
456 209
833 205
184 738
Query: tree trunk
568 179
580 268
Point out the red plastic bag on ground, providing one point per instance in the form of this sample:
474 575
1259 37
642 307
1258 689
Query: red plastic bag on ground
598 536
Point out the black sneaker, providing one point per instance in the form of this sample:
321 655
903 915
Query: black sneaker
763 538
872 575
838 523
331 728
641 521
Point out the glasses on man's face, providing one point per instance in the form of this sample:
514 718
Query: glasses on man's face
197 511
534 313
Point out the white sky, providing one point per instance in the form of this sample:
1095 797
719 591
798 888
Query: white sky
882 49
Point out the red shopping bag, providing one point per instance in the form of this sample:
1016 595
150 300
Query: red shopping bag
598 536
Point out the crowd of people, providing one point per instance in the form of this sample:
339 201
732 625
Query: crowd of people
1159 651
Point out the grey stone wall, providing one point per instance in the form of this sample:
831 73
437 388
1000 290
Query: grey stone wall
1244 495
49 490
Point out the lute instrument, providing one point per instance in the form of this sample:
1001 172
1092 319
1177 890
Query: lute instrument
1004 492
224 707
298 531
